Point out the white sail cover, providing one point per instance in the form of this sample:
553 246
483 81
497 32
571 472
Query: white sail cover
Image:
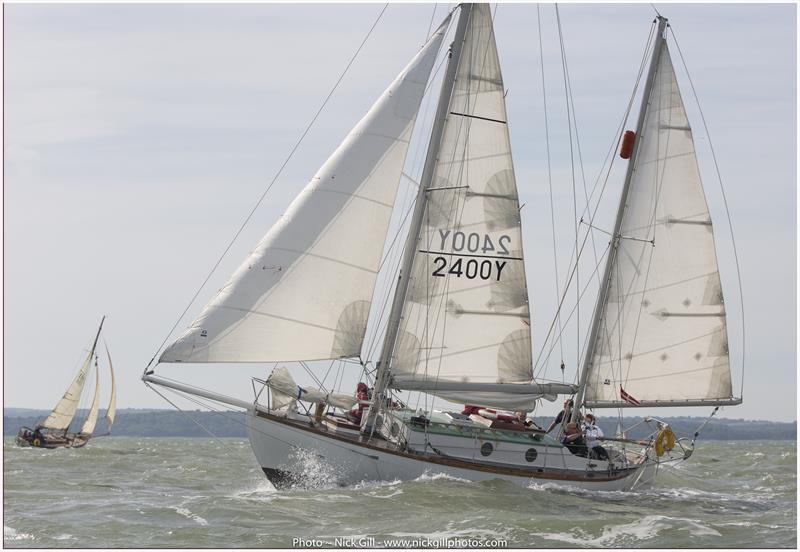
111 411
466 316
285 391
662 334
304 293
91 420
62 414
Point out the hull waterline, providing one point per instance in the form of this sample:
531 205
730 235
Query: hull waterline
291 454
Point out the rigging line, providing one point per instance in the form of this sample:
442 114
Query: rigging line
571 100
571 312
398 256
549 177
269 186
572 172
610 155
724 200
659 185
425 319
430 25
313 376
618 136
655 10
457 207
179 409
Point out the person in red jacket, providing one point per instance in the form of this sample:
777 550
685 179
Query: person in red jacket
362 395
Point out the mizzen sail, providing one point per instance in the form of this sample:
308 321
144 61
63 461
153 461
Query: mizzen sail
305 291
662 334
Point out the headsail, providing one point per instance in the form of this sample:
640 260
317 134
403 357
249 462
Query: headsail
466 317
91 419
304 293
111 411
62 414
662 334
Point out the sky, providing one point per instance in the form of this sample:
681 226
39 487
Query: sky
138 137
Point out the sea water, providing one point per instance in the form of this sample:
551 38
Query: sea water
139 493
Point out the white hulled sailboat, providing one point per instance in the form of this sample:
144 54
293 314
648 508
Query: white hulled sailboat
459 325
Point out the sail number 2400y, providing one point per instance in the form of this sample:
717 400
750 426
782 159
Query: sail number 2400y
485 263
485 269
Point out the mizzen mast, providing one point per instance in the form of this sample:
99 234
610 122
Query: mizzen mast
606 281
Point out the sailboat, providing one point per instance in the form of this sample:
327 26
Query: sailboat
54 431
459 324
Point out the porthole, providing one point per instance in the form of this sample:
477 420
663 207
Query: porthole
531 454
395 429
486 449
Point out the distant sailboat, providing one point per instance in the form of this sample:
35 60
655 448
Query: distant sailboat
459 325
54 431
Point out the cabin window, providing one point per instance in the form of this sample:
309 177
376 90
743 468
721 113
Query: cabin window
486 449
531 454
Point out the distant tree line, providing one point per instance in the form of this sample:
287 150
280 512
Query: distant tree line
172 423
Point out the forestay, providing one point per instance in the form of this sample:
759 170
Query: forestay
662 334
304 293
466 316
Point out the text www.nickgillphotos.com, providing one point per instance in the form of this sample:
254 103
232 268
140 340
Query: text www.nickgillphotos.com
416 542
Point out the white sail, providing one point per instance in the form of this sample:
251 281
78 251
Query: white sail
466 315
662 335
62 414
304 293
285 391
111 411
91 419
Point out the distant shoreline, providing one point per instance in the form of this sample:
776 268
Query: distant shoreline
132 422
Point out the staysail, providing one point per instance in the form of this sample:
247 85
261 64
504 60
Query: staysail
91 419
111 411
662 334
62 414
465 327
305 291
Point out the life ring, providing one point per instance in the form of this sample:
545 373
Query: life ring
665 440
36 442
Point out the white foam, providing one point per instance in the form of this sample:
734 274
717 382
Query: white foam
640 530
428 477
194 517
9 533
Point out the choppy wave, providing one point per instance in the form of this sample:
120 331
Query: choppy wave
178 493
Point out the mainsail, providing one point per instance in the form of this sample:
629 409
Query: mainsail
305 291
662 334
91 420
62 414
465 326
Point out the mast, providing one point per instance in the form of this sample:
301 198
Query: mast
61 416
606 281
393 326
